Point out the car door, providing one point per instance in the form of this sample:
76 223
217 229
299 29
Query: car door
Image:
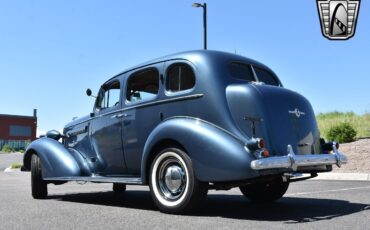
106 130
142 112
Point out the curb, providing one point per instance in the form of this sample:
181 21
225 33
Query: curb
343 176
11 170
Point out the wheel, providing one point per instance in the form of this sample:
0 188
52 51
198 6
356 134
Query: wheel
173 185
265 192
119 187
38 185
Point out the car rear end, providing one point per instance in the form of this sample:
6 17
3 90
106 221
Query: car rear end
280 124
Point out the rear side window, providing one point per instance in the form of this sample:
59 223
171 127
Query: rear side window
143 85
265 77
241 71
180 77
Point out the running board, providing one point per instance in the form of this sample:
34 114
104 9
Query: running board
99 179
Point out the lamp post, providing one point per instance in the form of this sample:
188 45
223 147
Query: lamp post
204 6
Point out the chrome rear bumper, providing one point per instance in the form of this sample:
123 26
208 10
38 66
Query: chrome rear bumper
292 161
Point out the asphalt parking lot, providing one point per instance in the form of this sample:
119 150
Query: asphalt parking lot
6 159
307 205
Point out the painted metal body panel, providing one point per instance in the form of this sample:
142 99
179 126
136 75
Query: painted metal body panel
217 155
277 126
56 159
210 121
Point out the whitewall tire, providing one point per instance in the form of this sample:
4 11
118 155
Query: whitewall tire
173 184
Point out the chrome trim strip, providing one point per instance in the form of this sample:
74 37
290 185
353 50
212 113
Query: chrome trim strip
292 161
99 179
164 101
151 103
77 132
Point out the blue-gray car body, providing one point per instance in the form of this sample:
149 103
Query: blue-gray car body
217 121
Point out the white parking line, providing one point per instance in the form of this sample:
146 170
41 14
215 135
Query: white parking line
326 191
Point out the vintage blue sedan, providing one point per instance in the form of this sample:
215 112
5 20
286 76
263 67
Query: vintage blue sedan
184 124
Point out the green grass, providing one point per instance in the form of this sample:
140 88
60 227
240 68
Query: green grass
16 166
361 123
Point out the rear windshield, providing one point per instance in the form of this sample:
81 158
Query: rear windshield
265 77
241 71
244 71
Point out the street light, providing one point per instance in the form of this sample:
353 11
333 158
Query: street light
204 6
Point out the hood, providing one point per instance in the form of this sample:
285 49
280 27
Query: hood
77 121
282 117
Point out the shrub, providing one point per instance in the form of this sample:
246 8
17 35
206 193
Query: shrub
6 148
361 123
16 166
342 133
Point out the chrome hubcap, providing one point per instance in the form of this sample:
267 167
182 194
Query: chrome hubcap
171 179
174 178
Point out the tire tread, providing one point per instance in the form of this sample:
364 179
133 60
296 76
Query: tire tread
38 185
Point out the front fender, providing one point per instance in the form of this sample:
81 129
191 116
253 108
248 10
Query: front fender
56 160
216 154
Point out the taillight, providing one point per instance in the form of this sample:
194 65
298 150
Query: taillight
256 143
265 153
258 146
260 143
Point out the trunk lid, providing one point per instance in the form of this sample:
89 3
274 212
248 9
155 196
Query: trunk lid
285 117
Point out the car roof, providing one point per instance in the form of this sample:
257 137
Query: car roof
194 55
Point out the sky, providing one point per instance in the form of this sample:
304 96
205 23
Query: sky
52 51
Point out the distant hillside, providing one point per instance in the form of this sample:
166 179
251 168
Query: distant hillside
361 123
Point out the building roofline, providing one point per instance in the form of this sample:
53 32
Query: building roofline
17 116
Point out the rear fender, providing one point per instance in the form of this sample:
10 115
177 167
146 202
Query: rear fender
56 160
216 154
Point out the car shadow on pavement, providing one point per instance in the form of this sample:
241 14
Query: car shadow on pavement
290 210
129 199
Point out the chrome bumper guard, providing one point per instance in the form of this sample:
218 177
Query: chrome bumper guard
293 161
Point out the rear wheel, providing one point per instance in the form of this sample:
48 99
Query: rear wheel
119 187
38 185
173 185
265 192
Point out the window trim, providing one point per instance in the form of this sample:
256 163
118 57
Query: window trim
96 110
255 76
268 71
166 79
124 95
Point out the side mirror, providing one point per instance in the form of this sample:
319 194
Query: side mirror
88 92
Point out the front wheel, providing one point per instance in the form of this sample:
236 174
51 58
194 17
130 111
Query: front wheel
173 185
265 192
38 185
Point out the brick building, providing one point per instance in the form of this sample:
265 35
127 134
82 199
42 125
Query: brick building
17 131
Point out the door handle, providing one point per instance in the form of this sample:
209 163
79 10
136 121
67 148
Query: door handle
118 116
